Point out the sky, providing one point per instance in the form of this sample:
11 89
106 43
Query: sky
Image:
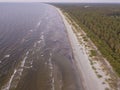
89 1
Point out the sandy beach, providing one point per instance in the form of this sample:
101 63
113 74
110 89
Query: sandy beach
90 80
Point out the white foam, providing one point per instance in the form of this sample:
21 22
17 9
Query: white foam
51 73
27 66
7 56
86 6
7 86
31 62
42 37
53 84
50 54
38 24
31 30
27 53
39 41
50 64
42 55
23 62
18 71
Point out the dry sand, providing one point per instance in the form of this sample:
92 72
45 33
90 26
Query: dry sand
90 80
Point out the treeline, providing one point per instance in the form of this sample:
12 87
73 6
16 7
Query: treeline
102 25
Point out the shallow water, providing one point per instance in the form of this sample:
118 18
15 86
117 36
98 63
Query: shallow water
40 55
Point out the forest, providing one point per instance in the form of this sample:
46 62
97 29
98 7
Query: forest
101 22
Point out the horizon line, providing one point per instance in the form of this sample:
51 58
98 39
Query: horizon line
53 2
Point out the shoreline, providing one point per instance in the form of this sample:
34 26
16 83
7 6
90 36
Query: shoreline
88 76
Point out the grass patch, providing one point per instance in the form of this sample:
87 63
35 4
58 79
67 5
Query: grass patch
85 39
93 53
99 76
